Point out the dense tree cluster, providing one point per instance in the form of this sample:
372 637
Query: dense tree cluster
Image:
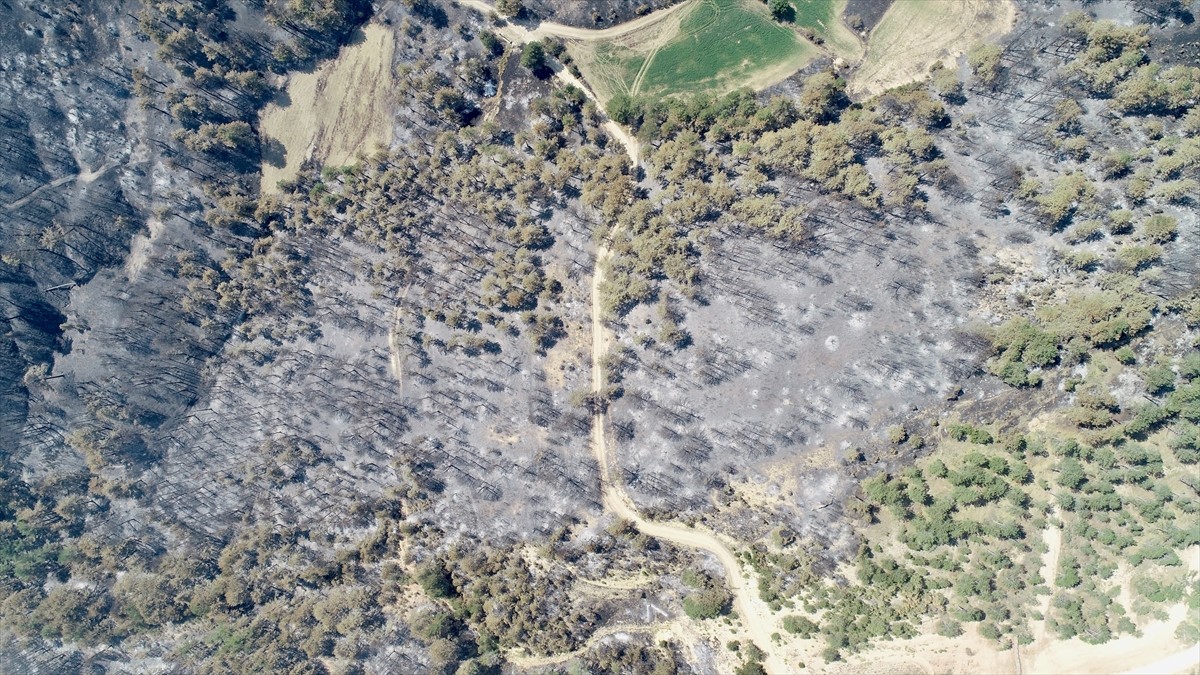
226 71
986 572
728 160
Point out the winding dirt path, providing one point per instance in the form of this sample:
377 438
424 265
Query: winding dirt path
519 35
757 621
551 29
82 177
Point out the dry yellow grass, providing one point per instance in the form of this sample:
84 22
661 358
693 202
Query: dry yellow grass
843 41
341 109
915 34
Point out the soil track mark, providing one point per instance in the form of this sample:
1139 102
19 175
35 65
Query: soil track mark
82 177
757 621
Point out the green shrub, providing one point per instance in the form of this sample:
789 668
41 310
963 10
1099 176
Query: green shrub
694 579
1189 366
1147 418
1158 378
1160 228
1069 193
751 667
947 627
707 604
799 625
1140 256
1186 443
1021 345
436 581
490 42
1085 231
985 63
1177 191
967 432
1101 318
533 56
1185 401
1120 221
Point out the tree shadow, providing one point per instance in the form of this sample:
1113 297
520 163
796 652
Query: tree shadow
783 11
274 153
281 98
431 12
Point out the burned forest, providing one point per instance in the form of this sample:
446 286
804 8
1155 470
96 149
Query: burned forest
344 336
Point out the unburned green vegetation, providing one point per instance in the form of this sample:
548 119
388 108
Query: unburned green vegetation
719 40
960 540
717 46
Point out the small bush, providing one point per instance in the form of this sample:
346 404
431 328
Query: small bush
1186 444
1158 378
947 627
967 432
1160 228
436 581
707 604
533 56
799 625
1189 366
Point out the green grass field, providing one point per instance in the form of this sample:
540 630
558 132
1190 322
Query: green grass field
718 41
824 18
720 45
815 13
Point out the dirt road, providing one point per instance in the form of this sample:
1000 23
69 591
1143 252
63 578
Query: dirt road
551 29
82 177
758 623
519 35
1052 536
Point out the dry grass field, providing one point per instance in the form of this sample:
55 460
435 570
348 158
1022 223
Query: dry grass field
334 112
915 34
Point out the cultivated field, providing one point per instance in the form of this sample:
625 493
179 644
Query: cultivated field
333 113
915 34
712 45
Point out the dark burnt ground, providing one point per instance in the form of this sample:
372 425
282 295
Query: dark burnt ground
1176 37
869 11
